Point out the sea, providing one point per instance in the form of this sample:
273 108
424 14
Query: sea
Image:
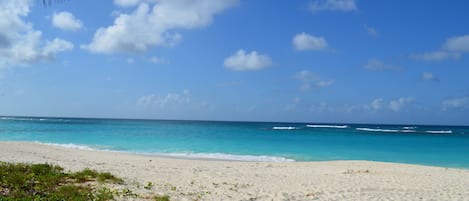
443 146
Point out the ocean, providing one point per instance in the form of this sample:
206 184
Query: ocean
444 146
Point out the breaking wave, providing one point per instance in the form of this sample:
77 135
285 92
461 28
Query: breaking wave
326 126
409 127
199 156
69 146
378 130
33 119
284 128
405 131
440 132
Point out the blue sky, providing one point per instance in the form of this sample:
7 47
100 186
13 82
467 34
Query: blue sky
351 61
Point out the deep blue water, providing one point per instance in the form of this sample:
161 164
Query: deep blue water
446 146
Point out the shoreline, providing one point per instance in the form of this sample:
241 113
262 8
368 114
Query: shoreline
182 156
189 179
206 156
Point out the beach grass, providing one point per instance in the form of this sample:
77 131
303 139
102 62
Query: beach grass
22 181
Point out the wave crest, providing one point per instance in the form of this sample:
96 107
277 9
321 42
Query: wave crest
200 156
378 130
405 131
284 128
68 146
440 132
326 126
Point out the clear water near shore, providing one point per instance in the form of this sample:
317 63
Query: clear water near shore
446 146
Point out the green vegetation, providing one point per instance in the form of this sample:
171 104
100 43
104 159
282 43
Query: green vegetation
92 175
49 182
148 186
161 198
108 177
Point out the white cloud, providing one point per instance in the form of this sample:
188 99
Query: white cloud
66 21
375 64
304 41
333 5
54 46
398 104
377 103
436 56
461 103
453 48
371 31
240 61
154 23
164 102
429 76
394 105
126 3
310 80
20 44
457 44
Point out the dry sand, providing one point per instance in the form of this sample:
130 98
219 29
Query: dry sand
227 180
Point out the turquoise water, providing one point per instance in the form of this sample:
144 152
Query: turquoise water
446 146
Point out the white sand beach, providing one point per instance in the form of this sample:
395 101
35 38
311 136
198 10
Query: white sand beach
184 179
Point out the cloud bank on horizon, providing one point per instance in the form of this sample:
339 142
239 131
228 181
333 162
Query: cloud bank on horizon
338 60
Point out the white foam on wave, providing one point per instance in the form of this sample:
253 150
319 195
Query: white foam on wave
68 146
284 128
199 156
31 119
327 126
440 132
408 131
378 130
222 156
409 127
18 118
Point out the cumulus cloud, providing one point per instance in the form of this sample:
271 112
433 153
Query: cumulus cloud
394 105
377 104
333 5
457 44
154 23
398 104
165 101
66 21
20 44
242 61
459 103
310 80
377 65
126 3
429 77
304 41
453 48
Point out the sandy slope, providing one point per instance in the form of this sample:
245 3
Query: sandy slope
226 180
